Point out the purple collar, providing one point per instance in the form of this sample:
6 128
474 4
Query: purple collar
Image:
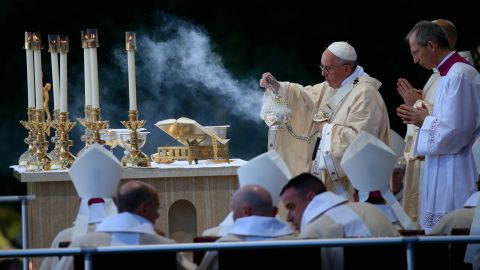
454 58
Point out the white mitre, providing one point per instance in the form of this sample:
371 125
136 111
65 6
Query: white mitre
369 163
343 50
267 170
95 174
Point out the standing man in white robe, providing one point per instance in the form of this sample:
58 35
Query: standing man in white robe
254 216
348 103
446 136
415 98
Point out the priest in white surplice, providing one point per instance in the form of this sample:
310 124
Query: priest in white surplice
345 104
415 98
445 137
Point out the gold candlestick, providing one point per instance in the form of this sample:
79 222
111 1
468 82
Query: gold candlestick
40 160
88 135
135 157
64 159
94 124
27 155
55 139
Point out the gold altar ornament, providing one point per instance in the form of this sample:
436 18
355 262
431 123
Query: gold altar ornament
40 161
63 159
191 134
134 157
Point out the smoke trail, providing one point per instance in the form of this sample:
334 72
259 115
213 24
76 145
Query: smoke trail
178 74
179 57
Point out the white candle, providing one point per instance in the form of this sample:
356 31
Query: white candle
37 56
87 68
30 78
88 76
63 82
56 84
132 88
92 45
94 78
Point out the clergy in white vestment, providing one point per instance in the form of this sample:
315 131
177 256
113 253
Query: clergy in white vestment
267 170
138 205
369 163
95 192
254 220
319 213
446 136
415 98
345 104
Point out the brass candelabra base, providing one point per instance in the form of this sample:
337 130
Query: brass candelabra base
134 157
40 161
88 135
27 155
55 139
63 159
94 125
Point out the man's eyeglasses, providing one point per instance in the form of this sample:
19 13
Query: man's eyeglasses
328 69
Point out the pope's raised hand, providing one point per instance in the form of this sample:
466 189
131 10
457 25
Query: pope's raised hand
269 82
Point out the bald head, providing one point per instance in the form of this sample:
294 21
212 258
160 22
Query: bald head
138 198
252 200
449 29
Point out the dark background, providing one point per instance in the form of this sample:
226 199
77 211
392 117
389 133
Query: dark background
246 38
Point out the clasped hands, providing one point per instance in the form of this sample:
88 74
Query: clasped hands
408 113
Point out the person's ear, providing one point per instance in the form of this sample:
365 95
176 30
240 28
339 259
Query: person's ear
310 196
275 211
247 210
142 209
432 46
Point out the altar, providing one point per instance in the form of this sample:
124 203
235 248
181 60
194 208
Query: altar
192 198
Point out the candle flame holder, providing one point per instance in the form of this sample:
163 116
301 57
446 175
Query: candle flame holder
64 159
92 38
40 160
134 157
27 155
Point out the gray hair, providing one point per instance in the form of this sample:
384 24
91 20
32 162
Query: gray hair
425 31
